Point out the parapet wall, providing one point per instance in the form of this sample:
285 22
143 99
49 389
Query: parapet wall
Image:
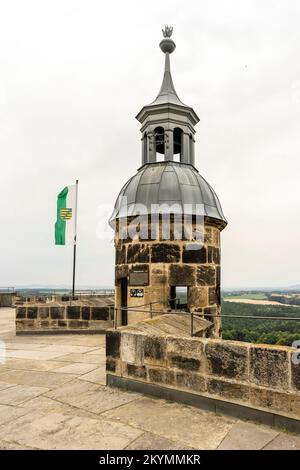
68 318
258 376
6 299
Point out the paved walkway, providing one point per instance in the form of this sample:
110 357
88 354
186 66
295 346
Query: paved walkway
53 396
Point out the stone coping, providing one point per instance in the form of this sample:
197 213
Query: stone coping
175 324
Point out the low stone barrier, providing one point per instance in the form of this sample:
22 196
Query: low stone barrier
6 299
262 376
66 318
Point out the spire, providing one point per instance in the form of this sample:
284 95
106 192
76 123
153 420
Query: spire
167 92
167 123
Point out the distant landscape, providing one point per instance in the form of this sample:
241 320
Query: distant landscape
262 304
239 303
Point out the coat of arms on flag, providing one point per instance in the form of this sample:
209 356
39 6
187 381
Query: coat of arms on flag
66 221
65 226
66 214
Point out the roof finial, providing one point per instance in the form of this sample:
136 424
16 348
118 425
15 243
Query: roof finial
167 44
167 32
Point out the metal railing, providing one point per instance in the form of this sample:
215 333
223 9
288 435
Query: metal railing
111 316
95 292
194 314
64 296
176 302
7 290
246 317
59 293
137 309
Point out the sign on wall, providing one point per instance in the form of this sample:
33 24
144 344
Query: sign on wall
139 277
136 292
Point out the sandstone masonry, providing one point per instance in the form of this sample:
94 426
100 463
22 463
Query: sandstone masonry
259 376
167 264
63 318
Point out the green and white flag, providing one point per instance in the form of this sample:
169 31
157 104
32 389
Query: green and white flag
65 226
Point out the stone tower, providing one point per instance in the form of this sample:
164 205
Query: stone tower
167 219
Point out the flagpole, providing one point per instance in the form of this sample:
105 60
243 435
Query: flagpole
75 242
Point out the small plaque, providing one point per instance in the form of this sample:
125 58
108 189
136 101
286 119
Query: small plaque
138 278
136 292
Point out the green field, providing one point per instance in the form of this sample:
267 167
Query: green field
247 295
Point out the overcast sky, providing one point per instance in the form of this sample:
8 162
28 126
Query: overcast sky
73 75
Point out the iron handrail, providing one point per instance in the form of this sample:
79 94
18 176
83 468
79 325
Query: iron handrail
20 293
202 315
249 317
7 290
133 309
143 305
141 310
175 299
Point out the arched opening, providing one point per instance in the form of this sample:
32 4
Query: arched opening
159 136
192 150
144 151
177 146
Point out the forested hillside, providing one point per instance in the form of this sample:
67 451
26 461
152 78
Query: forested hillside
261 331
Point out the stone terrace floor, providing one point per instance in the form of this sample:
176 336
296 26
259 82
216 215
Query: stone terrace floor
53 396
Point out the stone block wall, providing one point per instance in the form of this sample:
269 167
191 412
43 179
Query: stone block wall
60 318
6 299
168 263
259 376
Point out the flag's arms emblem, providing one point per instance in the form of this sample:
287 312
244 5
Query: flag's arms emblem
66 214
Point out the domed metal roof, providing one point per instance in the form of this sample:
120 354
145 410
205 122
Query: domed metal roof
171 184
